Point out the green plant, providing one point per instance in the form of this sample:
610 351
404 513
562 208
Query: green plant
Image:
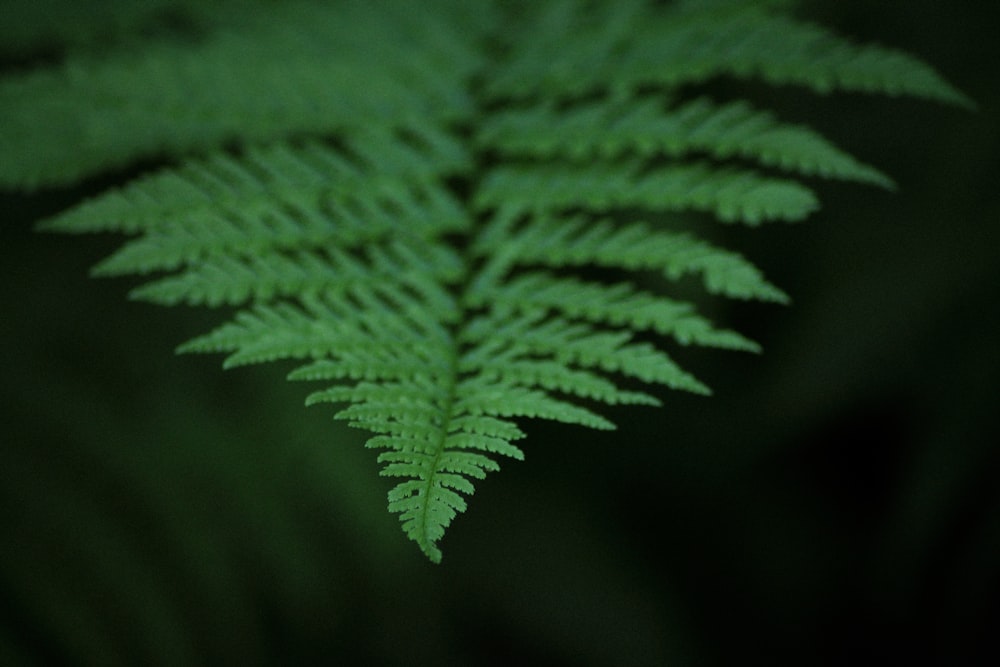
459 214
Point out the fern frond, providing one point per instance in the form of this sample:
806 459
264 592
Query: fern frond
731 194
581 242
300 69
573 344
573 52
611 128
619 305
406 201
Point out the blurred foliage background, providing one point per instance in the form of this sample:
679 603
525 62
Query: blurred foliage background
836 502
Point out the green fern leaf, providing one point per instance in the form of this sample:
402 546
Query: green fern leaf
615 127
583 242
734 195
622 47
299 69
407 201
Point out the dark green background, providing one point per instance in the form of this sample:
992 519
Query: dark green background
836 502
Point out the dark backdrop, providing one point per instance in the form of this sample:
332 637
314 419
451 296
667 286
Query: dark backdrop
836 502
